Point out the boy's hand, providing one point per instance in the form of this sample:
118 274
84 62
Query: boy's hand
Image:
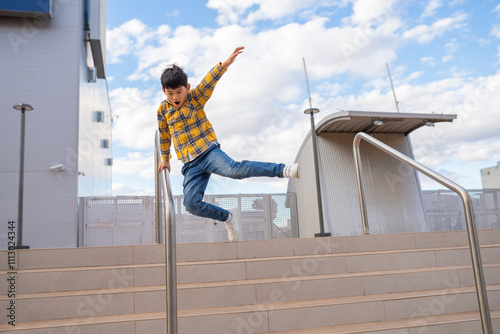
233 56
162 165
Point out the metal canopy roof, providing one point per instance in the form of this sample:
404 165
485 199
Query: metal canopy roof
348 121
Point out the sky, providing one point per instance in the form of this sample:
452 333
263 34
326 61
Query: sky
444 57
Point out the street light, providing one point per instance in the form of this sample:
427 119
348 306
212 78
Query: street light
311 111
23 108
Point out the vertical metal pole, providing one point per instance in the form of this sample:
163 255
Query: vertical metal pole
477 265
318 184
170 243
20 199
311 111
158 202
357 165
170 258
22 108
307 83
393 91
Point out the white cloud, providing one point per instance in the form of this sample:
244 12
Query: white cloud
134 116
230 11
425 33
428 61
483 41
368 11
477 151
431 7
452 46
497 9
447 58
123 40
495 31
278 9
134 163
474 102
245 12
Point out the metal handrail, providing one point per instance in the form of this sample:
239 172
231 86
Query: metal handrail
170 239
482 297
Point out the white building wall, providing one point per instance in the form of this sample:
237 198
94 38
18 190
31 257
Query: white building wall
490 177
41 65
95 174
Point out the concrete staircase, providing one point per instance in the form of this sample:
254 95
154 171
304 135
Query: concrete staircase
394 284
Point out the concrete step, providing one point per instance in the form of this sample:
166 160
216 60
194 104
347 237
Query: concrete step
130 255
139 274
285 315
151 298
467 322
321 284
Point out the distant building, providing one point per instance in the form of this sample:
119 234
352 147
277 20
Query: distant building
53 57
490 177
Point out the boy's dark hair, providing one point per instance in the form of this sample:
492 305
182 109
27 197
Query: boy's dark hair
173 77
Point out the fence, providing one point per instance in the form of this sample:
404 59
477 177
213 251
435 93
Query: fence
130 220
114 221
445 211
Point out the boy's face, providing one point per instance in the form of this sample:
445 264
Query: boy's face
177 96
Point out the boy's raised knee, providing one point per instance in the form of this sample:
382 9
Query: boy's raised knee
192 207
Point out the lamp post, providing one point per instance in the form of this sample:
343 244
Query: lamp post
23 108
311 112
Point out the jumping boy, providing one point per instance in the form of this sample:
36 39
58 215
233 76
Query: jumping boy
182 119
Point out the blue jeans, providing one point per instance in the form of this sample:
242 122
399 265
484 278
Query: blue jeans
214 160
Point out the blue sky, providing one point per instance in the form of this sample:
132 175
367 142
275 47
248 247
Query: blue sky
444 57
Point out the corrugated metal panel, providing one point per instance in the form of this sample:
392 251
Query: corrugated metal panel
391 190
304 188
339 184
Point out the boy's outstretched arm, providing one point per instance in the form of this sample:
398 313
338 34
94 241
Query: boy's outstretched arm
232 57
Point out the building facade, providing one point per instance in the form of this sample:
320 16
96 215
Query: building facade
490 177
53 56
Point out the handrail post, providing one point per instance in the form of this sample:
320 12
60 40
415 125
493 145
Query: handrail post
158 202
170 244
477 266
362 204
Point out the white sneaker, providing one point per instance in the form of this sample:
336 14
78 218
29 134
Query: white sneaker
291 171
233 226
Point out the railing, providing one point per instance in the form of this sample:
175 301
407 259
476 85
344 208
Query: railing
469 216
163 186
445 211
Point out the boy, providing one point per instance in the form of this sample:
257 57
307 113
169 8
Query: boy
182 119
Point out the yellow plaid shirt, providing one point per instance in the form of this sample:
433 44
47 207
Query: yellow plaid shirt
188 126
